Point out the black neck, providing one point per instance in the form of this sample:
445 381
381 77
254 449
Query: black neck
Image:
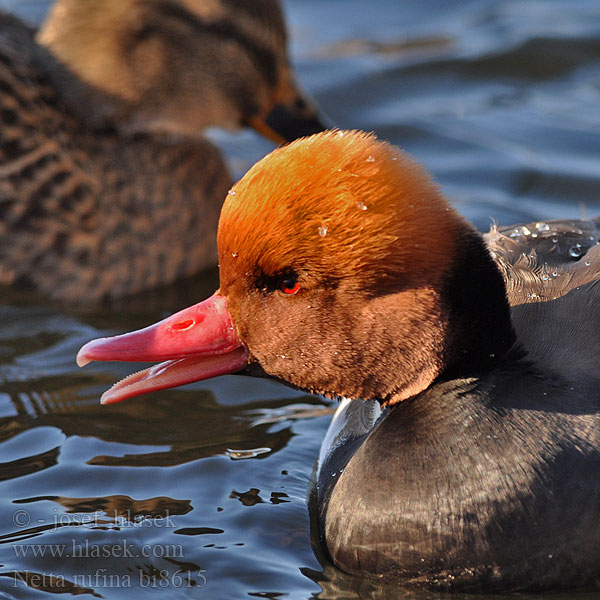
483 333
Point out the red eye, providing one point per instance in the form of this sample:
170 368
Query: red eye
289 285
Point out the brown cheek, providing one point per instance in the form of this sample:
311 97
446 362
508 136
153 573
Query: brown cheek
239 303
282 332
307 350
274 334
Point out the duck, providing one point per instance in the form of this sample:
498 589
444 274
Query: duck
465 451
107 185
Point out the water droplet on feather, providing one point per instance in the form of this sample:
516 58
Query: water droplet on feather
575 251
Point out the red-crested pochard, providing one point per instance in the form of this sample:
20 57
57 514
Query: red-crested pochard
107 185
465 454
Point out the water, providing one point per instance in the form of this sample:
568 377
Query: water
200 492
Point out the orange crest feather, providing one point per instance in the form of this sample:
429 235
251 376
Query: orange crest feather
343 203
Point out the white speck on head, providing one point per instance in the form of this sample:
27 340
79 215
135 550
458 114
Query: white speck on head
234 254
370 158
323 229
231 193
361 205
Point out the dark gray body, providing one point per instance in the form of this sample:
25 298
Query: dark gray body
492 481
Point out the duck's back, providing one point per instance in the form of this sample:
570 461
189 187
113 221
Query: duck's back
551 270
85 212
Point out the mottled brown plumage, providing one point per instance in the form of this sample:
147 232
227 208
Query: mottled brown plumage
106 184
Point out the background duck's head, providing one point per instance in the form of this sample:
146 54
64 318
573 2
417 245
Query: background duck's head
179 66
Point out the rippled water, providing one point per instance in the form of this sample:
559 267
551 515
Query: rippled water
201 491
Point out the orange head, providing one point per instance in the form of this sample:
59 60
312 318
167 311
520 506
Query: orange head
344 204
335 255
344 271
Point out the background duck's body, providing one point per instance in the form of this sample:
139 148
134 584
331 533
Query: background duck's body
84 213
106 185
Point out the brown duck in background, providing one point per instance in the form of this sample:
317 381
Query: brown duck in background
106 185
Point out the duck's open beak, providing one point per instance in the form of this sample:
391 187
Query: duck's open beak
196 343
294 115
